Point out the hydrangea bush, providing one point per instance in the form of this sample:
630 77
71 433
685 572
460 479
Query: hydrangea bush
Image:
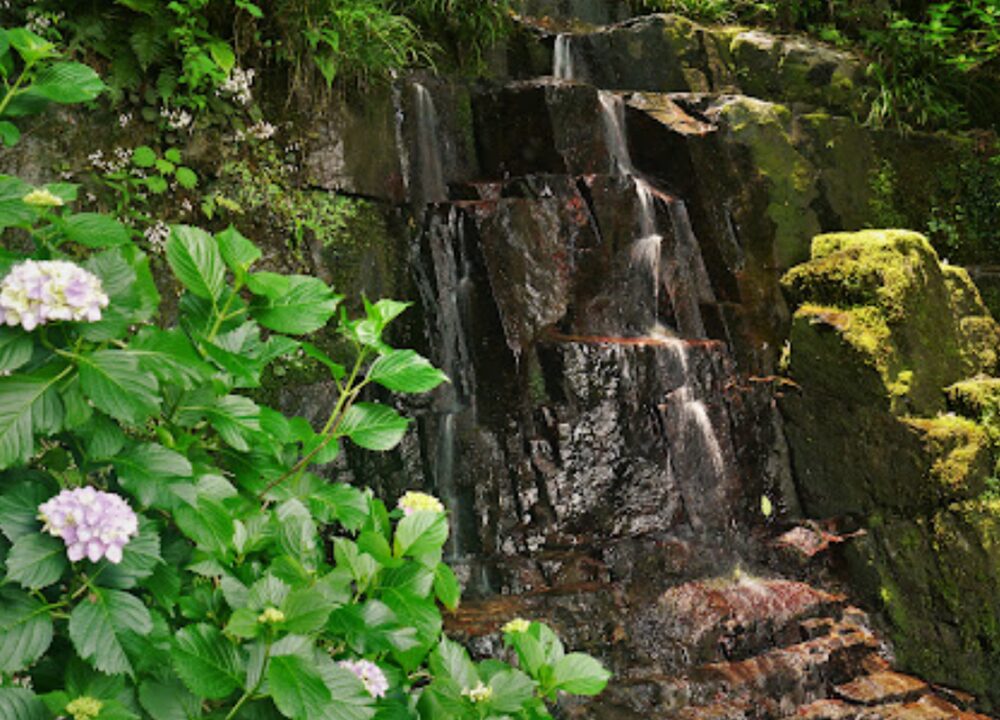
166 549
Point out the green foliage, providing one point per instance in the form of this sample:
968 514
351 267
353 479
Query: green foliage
251 580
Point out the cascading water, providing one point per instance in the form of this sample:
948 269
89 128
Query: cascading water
430 183
446 287
562 58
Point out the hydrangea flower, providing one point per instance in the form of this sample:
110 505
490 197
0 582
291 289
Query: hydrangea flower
271 616
480 693
369 674
92 523
412 501
517 625
42 197
35 292
84 708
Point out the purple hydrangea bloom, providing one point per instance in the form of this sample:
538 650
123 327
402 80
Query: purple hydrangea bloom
368 673
92 523
35 292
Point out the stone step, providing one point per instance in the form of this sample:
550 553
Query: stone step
881 687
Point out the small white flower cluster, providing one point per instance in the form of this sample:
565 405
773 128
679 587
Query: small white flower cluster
118 161
40 21
479 694
260 130
368 673
124 119
177 119
157 236
237 85
35 292
93 523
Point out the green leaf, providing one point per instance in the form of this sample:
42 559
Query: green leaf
168 701
579 674
243 624
115 384
170 356
306 610
186 178
25 631
173 155
207 662
194 257
127 280
19 508
95 230
511 690
13 211
157 184
36 561
21 704
16 348
68 82
302 305
421 532
143 156
23 407
372 426
98 621
9 133
237 420
296 687
222 54
446 586
406 371
238 252
451 660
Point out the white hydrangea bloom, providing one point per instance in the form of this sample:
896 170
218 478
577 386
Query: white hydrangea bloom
36 292
93 524
368 673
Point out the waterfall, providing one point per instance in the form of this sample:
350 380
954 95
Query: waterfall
446 285
562 58
430 185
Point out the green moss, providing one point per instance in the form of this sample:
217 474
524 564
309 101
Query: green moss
766 128
961 454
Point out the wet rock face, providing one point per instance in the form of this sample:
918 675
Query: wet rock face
868 440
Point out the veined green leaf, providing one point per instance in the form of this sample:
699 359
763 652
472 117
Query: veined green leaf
238 252
67 82
96 623
579 674
16 348
95 230
372 426
194 257
406 371
296 687
22 397
36 561
25 630
207 662
115 384
421 532
303 305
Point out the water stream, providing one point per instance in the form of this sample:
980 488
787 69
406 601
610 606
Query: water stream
430 185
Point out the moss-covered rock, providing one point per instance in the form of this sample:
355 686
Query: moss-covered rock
883 340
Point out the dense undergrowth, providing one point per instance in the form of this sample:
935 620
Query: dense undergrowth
934 64
168 546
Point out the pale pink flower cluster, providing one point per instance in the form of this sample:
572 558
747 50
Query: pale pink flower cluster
368 673
93 523
35 292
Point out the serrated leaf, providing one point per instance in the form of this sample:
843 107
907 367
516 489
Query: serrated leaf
96 623
579 674
147 470
511 690
207 662
446 586
21 704
25 630
36 561
186 178
303 305
16 348
238 252
67 82
115 384
194 257
168 701
373 426
127 280
451 660
306 610
20 398
296 687
143 156
9 133
19 508
420 532
95 230
406 371
170 356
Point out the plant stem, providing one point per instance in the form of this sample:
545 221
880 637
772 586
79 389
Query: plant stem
250 693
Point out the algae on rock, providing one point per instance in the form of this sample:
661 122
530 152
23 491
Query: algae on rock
882 329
